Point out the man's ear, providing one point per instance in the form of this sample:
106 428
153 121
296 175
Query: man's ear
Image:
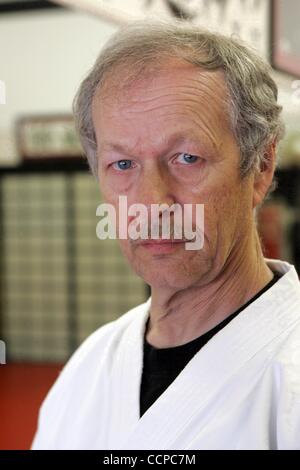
263 175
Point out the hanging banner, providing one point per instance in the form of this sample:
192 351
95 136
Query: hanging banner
248 19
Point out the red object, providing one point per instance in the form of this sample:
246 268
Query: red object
22 390
270 228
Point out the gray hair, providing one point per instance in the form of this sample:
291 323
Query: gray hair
254 113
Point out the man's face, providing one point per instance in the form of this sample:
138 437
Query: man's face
168 140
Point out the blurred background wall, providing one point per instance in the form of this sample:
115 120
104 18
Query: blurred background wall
58 281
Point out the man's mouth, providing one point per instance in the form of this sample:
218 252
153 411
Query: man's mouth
161 241
161 245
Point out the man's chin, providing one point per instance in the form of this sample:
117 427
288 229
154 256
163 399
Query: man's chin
179 269
165 277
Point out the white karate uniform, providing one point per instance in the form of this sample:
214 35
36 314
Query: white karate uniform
240 391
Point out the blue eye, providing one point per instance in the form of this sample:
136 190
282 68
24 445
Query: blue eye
123 164
187 158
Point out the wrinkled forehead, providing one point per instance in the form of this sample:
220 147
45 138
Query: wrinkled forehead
161 103
179 98
125 86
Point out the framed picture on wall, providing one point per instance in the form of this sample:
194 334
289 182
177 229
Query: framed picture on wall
47 137
7 6
286 36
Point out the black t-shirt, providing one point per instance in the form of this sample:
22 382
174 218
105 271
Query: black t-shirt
162 365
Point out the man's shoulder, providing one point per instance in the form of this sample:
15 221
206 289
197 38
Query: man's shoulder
288 354
90 361
285 391
104 336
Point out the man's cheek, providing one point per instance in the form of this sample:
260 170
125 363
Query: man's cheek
126 249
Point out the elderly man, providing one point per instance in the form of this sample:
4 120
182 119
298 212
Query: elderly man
173 114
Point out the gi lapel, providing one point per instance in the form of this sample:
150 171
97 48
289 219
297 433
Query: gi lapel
125 380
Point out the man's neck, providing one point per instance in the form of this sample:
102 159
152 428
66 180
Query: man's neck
181 316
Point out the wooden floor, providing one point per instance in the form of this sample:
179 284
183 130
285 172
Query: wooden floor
22 390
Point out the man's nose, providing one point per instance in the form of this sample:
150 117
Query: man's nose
155 187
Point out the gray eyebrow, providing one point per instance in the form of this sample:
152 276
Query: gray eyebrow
174 139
